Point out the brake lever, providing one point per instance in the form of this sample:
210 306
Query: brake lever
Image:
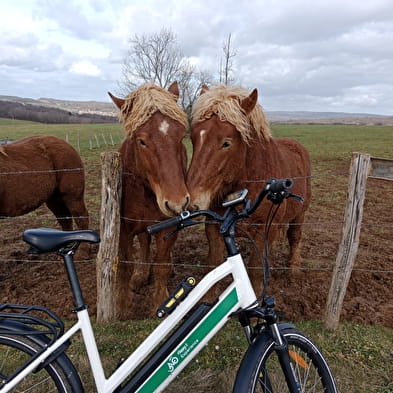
278 197
296 197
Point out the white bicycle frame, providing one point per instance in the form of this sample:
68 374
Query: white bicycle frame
238 294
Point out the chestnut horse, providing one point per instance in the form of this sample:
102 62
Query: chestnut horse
234 149
154 166
43 169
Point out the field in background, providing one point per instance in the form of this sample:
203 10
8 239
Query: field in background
361 354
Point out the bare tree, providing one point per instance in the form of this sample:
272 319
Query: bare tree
226 64
158 58
190 85
155 58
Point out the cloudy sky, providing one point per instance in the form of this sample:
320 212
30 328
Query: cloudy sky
317 55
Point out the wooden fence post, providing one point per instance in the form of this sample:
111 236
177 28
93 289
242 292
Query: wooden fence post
107 258
350 238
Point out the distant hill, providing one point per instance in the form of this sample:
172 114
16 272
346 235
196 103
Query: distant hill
306 117
49 110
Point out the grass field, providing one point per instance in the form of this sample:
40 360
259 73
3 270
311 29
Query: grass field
361 355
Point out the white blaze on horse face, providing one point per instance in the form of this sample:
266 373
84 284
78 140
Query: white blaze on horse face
202 135
164 126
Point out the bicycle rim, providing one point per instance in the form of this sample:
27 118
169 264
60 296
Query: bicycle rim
311 371
15 351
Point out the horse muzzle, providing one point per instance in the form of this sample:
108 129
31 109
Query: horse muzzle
173 208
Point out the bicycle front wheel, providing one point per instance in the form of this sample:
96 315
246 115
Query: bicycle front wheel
260 370
57 376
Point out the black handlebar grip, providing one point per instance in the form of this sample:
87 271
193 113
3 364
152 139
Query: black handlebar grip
171 222
280 185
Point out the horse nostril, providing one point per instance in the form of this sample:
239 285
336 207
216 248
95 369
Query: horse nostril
186 203
168 208
194 207
172 209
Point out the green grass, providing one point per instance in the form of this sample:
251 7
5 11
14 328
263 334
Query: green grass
332 142
361 357
326 143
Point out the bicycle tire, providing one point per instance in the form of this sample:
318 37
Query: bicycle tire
260 370
58 375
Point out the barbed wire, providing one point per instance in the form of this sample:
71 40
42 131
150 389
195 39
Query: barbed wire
198 266
386 225
50 217
124 172
33 172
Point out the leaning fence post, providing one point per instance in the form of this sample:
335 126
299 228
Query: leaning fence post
107 258
350 238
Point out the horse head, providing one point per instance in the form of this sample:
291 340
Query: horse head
153 150
221 134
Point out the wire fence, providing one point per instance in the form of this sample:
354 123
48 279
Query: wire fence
314 225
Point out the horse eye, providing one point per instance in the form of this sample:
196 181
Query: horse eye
142 142
226 144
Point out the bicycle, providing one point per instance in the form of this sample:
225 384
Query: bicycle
279 357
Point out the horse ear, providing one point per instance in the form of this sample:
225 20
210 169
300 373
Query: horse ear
249 102
174 89
204 89
119 102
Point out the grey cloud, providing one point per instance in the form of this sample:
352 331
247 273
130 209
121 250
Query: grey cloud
320 55
24 51
72 16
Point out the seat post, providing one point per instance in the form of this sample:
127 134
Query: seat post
68 257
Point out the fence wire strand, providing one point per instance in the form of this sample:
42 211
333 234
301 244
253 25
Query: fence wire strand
386 225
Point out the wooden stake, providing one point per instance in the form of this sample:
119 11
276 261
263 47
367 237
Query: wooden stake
350 238
107 258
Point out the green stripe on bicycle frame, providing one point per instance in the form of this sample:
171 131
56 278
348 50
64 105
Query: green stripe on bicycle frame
192 342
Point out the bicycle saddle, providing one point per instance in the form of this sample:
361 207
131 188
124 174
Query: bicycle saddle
44 240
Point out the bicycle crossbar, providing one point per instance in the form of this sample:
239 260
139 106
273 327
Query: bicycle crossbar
238 294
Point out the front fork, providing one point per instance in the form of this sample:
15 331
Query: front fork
281 348
270 326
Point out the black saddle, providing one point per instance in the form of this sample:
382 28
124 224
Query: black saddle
44 240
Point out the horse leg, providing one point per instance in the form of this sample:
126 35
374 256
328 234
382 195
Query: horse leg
294 235
64 206
57 206
216 254
162 268
256 265
133 273
78 210
124 298
141 271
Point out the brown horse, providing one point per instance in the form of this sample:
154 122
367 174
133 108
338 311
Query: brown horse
234 149
43 169
154 166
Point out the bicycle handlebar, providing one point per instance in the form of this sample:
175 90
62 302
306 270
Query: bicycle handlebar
278 190
170 222
280 185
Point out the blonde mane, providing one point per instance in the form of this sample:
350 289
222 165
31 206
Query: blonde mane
143 102
224 101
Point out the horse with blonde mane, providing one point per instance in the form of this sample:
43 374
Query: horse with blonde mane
39 170
154 164
234 149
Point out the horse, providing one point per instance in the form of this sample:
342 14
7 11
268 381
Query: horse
43 169
154 162
233 148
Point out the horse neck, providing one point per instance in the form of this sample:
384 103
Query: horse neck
128 160
262 159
